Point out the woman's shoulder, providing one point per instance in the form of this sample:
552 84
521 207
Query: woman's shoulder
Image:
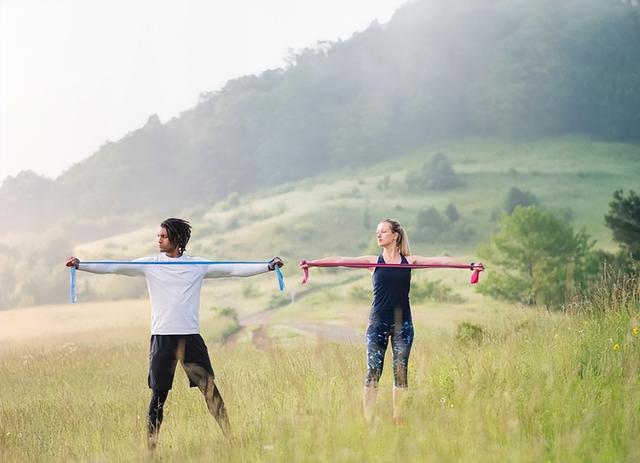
410 259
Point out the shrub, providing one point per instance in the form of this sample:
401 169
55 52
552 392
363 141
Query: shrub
278 300
358 293
436 174
468 333
517 197
435 291
249 290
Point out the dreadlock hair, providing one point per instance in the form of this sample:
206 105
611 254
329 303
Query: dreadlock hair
178 231
402 243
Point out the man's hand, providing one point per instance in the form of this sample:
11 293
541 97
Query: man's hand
275 262
73 262
303 264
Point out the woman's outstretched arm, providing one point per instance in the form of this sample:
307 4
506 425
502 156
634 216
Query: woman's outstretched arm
421 260
339 259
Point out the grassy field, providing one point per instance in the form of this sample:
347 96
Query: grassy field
528 386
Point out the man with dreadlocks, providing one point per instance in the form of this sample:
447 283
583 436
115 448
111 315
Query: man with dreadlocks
174 291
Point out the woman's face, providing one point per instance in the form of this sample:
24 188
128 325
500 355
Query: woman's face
384 234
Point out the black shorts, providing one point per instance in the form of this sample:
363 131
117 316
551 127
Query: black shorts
165 350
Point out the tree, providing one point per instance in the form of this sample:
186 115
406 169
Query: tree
536 258
452 213
624 221
517 197
436 174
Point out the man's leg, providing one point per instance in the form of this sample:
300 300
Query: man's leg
197 365
215 404
162 365
156 406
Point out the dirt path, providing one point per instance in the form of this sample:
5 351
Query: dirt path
258 323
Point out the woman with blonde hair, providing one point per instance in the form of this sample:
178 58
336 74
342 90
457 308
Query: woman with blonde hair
390 316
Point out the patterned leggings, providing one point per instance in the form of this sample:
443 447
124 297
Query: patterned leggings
378 335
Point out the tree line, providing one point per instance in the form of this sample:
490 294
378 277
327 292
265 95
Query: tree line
436 70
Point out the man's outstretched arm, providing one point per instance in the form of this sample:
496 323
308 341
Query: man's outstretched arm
242 270
107 267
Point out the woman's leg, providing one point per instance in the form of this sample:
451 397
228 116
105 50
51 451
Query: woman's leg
369 402
399 397
401 341
377 340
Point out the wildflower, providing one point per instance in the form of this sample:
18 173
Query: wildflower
443 400
635 331
616 346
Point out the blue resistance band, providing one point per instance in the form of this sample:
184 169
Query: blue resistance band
74 286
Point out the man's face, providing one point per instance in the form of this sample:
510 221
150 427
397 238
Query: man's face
163 242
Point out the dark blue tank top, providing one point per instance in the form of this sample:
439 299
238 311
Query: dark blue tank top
391 293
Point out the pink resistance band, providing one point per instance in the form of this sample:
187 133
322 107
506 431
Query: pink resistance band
475 276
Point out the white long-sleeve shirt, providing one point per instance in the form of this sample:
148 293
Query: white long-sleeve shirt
174 290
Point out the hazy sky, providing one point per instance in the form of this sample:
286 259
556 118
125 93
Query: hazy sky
75 73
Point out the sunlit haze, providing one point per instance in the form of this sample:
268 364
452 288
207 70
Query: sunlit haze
74 74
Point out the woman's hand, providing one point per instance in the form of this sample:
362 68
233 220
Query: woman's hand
73 262
477 266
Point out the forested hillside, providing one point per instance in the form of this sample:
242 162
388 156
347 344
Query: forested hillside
437 70
542 96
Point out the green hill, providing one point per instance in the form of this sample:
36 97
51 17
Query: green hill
336 213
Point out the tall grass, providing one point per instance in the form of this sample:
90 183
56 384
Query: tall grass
615 291
534 387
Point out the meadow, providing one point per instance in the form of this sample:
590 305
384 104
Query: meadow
510 384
